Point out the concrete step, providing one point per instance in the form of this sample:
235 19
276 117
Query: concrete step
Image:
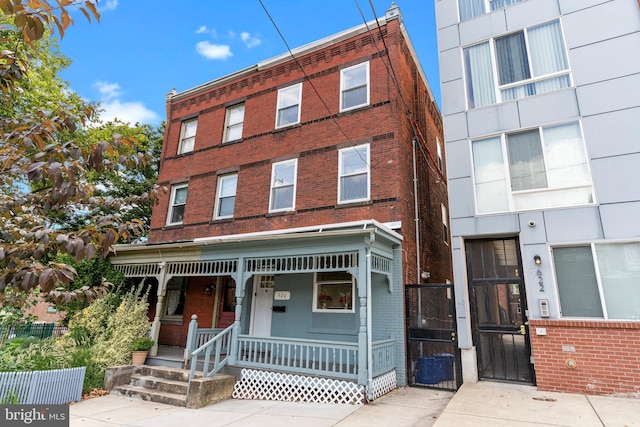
159 384
151 395
165 372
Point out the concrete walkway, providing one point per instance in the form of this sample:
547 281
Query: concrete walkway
483 404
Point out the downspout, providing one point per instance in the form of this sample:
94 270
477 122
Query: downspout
372 238
415 202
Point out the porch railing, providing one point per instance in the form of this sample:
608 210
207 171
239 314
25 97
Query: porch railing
334 359
383 353
216 346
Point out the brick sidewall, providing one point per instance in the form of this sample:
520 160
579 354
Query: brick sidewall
606 353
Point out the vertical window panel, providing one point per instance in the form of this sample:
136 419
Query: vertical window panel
577 282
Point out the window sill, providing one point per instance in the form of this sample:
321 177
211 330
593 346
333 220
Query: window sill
281 213
354 109
353 204
173 226
188 153
287 127
221 220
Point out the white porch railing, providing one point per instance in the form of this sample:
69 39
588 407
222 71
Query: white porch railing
217 346
330 358
383 354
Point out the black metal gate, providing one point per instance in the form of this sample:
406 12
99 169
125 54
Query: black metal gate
433 357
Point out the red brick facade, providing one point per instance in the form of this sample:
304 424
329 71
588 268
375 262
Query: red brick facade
388 124
605 355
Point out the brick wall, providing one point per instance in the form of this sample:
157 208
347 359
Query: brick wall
606 355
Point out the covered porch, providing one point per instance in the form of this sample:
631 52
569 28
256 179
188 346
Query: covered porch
320 307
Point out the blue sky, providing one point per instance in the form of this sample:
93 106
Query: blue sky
143 48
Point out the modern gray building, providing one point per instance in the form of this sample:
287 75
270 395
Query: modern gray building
541 107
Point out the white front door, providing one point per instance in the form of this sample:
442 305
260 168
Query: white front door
262 306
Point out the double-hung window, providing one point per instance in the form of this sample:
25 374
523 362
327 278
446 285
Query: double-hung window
354 87
445 223
470 8
599 280
233 123
354 174
525 63
174 300
288 110
226 196
188 136
333 291
283 186
177 204
543 167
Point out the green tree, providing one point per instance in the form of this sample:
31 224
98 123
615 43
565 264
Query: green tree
47 165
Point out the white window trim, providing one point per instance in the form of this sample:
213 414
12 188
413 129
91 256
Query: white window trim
368 84
183 127
487 9
278 108
221 178
314 307
505 157
172 204
445 222
295 185
228 111
494 67
340 176
440 156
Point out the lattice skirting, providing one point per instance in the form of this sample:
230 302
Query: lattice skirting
267 385
383 384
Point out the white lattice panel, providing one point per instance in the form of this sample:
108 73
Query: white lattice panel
383 384
279 386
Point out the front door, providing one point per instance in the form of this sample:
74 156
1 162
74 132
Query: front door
262 306
498 310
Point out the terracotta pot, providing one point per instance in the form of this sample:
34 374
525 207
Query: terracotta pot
138 357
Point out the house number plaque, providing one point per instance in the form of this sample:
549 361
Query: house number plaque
282 295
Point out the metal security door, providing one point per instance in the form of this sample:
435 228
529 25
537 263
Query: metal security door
433 357
499 310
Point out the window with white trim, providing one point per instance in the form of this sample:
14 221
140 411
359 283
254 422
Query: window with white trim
226 196
445 223
354 87
234 122
599 280
283 186
288 109
188 136
471 8
333 292
354 174
177 204
439 152
538 168
174 299
525 63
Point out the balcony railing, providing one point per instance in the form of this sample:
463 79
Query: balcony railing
383 355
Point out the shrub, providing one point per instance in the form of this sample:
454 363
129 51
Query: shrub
142 344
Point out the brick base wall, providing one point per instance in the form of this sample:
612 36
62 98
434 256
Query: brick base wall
606 356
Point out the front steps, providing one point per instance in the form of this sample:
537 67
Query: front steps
168 385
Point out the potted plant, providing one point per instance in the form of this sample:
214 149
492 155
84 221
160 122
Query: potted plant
140 348
324 299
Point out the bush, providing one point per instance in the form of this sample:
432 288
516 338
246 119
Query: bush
142 344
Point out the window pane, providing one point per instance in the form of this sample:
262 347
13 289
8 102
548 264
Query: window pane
177 213
236 115
180 196
490 176
526 163
354 77
513 65
288 115
354 161
289 96
620 276
354 187
227 205
478 64
282 198
354 97
234 132
565 156
577 285
228 185
283 174
190 129
498 4
470 8
547 49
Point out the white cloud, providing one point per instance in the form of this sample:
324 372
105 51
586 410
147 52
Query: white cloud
108 5
201 29
213 51
113 107
249 40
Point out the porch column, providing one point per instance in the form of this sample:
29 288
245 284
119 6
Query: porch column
240 287
362 332
155 325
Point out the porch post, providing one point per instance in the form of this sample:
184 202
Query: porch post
240 286
155 325
362 333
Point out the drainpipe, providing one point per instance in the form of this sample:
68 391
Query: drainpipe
415 201
372 238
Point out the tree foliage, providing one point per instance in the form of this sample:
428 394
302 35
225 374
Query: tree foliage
50 165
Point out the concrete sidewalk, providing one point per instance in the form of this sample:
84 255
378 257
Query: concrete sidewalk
483 404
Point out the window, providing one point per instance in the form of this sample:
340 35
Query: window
521 64
226 196
544 167
178 202
470 8
288 111
439 148
174 299
354 87
353 168
600 280
233 123
333 292
283 186
445 223
188 136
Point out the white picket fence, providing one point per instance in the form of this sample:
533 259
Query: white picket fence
57 386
